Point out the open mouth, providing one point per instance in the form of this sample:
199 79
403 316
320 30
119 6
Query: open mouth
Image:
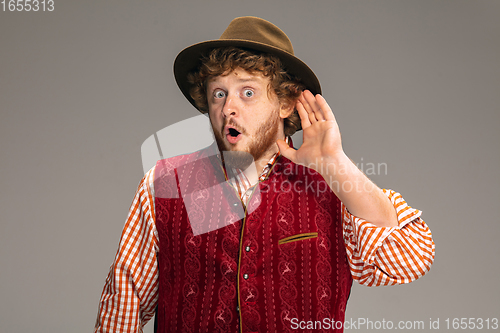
233 132
232 135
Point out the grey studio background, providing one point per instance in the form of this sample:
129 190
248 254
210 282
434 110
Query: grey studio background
414 84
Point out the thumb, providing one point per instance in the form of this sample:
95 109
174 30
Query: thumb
285 150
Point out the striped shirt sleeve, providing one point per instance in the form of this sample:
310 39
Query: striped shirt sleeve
129 297
381 256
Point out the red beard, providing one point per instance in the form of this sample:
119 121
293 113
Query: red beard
265 137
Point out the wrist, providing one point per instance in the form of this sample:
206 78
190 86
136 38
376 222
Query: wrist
335 166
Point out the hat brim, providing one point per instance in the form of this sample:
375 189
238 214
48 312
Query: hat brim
188 61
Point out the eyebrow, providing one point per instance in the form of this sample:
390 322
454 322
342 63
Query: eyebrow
248 79
241 80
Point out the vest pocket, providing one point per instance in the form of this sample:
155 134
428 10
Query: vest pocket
297 237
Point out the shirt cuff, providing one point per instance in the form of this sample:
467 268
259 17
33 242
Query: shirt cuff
368 236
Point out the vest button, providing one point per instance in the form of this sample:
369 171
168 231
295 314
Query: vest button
247 248
237 308
245 276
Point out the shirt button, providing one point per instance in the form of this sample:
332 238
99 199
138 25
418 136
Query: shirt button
247 248
245 276
235 204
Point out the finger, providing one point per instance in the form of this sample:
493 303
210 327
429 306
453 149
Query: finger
304 117
325 108
286 151
313 103
307 107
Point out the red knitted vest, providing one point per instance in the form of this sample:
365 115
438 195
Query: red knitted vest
281 266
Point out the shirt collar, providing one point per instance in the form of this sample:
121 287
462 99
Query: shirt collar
238 179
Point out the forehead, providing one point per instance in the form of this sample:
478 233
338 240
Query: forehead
240 75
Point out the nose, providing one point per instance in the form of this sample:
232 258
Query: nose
230 107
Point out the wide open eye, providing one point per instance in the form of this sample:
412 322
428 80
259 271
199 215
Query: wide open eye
219 94
248 93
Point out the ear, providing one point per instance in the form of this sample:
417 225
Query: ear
286 109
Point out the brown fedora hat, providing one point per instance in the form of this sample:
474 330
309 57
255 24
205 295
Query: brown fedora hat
250 33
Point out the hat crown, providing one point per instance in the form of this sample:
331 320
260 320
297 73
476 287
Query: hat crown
257 30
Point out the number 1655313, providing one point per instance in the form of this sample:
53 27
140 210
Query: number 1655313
27 5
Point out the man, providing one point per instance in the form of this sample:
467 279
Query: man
252 235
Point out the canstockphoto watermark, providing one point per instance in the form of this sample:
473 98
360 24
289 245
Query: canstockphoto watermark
368 324
313 185
308 180
355 324
372 169
327 168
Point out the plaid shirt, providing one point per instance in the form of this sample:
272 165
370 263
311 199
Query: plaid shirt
377 256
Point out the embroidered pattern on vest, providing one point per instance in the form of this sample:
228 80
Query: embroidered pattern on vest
305 277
